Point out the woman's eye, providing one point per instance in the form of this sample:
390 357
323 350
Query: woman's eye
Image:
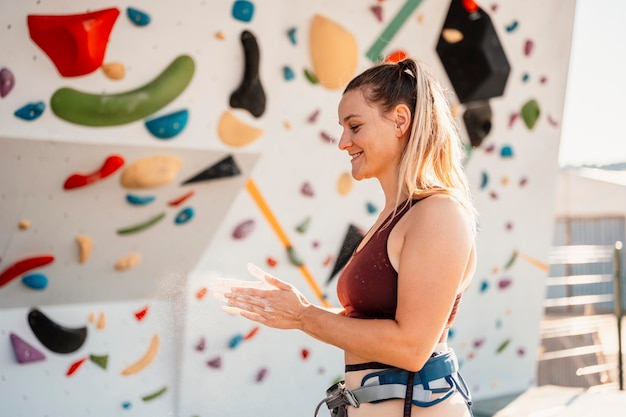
355 128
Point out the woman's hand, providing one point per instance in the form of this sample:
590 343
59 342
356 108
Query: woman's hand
280 307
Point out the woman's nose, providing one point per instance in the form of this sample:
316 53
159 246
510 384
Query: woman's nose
344 141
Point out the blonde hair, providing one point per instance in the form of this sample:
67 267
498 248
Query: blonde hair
432 160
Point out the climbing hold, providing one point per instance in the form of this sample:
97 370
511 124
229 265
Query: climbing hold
127 405
7 81
234 132
307 189
75 366
484 181
271 262
479 342
23 266
89 109
477 67
139 200
452 35
102 321
24 352
215 363
477 119
250 95
344 183
530 113
310 77
313 117
30 111
110 166
141 226
85 245
101 360
156 394
511 260
288 73
506 151
512 26
138 17
261 374
141 314
350 242
179 200
251 333
76 44
151 171
525 77
327 138
304 353
201 344
235 341
484 286
396 56
168 126
304 225
553 122
184 216
294 258
224 168
528 47
503 346
244 229
243 10
371 208
23 225
57 338
35 281
504 283
291 33
127 262
377 10
114 70
220 35
334 53
145 360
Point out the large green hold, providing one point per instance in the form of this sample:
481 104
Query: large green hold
117 109
530 113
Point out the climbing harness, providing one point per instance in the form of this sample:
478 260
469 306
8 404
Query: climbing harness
440 375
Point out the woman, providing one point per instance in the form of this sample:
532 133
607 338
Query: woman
401 289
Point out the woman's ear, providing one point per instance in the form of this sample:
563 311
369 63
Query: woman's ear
402 117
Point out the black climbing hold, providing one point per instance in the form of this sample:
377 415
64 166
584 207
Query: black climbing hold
57 338
476 65
227 167
477 119
350 242
250 95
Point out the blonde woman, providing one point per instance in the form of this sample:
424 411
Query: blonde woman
401 289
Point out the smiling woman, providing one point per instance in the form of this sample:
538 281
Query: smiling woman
401 289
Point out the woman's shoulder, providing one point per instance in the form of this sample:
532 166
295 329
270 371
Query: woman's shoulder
438 212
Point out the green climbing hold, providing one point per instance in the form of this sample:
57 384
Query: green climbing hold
530 113
100 360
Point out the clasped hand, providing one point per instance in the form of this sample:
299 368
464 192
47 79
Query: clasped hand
280 305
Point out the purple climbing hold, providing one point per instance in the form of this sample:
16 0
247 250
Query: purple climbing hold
261 374
307 189
215 363
244 229
7 81
25 353
243 10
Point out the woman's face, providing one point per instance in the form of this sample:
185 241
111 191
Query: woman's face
369 136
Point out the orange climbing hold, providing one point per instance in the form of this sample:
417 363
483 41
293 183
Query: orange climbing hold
76 44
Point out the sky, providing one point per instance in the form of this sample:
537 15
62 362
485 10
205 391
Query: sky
594 119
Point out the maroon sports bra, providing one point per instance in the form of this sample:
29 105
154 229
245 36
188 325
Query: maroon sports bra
368 285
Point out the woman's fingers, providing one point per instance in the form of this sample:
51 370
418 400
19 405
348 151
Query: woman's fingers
262 275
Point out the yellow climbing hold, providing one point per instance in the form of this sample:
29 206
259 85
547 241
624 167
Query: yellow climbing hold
85 245
114 70
145 360
452 35
344 184
152 171
234 132
128 261
334 53
102 321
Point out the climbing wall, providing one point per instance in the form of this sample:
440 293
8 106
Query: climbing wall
197 138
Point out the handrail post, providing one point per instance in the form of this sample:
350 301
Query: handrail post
617 304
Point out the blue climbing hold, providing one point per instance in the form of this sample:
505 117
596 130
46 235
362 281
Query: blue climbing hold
235 341
506 152
31 111
184 216
139 200
243 10
35 281
371 208
288 73
292 35
168 126
138 17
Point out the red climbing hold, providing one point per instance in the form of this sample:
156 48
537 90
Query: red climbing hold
22 266
139 315
111 164
75 43
74 367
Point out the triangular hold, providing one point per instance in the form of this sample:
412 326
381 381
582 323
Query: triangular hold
350 242
25 353
227 167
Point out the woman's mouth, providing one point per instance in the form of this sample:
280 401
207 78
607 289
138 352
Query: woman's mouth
356 155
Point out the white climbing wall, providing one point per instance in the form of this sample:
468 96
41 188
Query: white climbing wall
209 363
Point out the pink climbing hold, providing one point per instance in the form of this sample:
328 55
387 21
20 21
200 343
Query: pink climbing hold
215 363
528 47
261 374
7 81
378 12
76 44
25 353
307 189
244 229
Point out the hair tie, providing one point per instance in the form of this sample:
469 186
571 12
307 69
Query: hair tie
405 66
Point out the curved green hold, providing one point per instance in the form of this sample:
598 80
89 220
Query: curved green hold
141 226
89 109
530 113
